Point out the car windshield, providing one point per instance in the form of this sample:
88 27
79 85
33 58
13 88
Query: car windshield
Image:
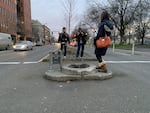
23 42
74 56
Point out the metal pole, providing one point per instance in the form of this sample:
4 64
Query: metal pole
44 34
51 62
60 53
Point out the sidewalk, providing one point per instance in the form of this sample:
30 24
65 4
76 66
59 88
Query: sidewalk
139 51
142 49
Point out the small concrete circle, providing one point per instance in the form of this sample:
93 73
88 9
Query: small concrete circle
86 69
68 73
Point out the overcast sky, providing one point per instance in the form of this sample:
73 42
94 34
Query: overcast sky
50 12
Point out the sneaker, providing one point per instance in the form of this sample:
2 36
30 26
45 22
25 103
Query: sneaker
64 57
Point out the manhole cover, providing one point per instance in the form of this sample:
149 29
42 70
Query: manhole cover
78 66
78 69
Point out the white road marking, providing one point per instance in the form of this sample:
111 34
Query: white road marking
43 58
9 63
127 62
30 62
109 62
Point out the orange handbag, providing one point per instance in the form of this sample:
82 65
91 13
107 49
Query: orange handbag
103 42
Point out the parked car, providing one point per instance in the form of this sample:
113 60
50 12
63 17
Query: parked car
5 41
39 44
23 45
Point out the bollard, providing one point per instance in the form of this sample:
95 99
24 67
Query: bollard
113 47
133 48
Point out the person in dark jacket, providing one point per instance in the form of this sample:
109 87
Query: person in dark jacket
64 39
105 27
81 41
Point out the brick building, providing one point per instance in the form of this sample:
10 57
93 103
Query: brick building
8 17
15 19
24 19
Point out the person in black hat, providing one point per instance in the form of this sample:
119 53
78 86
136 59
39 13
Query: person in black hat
81 41
64 39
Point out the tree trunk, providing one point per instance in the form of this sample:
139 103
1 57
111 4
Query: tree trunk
122 29
143 35
142 43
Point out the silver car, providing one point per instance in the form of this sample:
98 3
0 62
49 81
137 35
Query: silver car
23 45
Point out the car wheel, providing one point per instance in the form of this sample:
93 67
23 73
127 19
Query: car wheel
7 47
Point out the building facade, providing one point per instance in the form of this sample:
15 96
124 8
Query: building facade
37 31
47 33
41 33
8 17
24 19
15 19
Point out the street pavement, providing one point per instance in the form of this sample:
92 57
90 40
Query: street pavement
23 88
25 56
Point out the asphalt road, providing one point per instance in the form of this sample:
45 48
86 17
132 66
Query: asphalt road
25 56
24 90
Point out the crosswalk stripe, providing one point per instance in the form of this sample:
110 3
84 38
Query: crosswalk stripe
9 63
30 62
128 62
109 62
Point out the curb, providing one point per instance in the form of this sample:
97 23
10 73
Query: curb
61 77
98 76
46 58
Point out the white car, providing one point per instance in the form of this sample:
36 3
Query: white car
23 45
5 41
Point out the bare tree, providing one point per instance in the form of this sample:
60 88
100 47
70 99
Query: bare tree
69 9
142 19
93 16
122 12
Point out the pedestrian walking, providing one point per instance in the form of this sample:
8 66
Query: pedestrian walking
81 41
64 39
105 28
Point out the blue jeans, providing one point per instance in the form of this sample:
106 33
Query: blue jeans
80 47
